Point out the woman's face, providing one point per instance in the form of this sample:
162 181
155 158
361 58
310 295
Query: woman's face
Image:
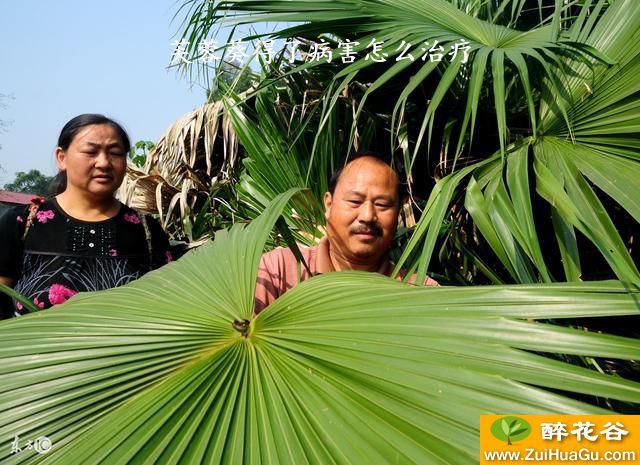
95 161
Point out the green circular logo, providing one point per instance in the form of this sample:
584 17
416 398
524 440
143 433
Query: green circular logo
510 429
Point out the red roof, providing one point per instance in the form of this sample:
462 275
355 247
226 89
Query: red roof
16 197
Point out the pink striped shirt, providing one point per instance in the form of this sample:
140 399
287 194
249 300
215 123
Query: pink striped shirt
278 271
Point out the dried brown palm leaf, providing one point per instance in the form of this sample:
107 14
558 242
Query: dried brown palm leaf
196 154
200 143
139 190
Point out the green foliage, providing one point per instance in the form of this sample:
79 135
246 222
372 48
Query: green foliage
528 141
347 368
230 77
31 182
139 151
278 155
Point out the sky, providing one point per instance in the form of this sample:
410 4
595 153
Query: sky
61 59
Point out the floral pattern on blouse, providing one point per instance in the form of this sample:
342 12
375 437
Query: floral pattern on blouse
59 294
61 256
44 216
132 218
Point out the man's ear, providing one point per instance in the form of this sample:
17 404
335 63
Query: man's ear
61 159
328 200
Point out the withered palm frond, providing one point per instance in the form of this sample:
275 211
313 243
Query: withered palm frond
201 141
191 160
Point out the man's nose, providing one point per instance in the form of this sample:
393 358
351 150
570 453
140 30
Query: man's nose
367 212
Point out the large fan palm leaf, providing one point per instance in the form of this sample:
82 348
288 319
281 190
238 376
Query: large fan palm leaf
348 368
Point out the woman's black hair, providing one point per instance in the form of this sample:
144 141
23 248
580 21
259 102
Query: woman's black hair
69 132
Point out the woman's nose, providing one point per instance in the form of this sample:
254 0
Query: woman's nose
103 159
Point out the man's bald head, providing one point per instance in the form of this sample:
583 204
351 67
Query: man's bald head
335 177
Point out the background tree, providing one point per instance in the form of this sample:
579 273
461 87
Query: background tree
32 182
139 151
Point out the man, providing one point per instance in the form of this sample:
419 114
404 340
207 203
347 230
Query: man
361 209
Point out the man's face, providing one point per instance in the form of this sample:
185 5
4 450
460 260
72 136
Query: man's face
362 213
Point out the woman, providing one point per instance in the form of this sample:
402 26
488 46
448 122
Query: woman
83 239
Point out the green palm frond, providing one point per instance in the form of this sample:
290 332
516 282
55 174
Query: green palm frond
348 368
588 140
562 92
276 160
416 28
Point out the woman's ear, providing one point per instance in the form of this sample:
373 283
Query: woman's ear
61 159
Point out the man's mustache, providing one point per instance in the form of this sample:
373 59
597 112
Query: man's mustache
371 228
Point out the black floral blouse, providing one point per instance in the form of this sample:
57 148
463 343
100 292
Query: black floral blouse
61 256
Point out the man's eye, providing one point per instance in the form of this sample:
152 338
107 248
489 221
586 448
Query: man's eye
116 154
354 201
383 205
